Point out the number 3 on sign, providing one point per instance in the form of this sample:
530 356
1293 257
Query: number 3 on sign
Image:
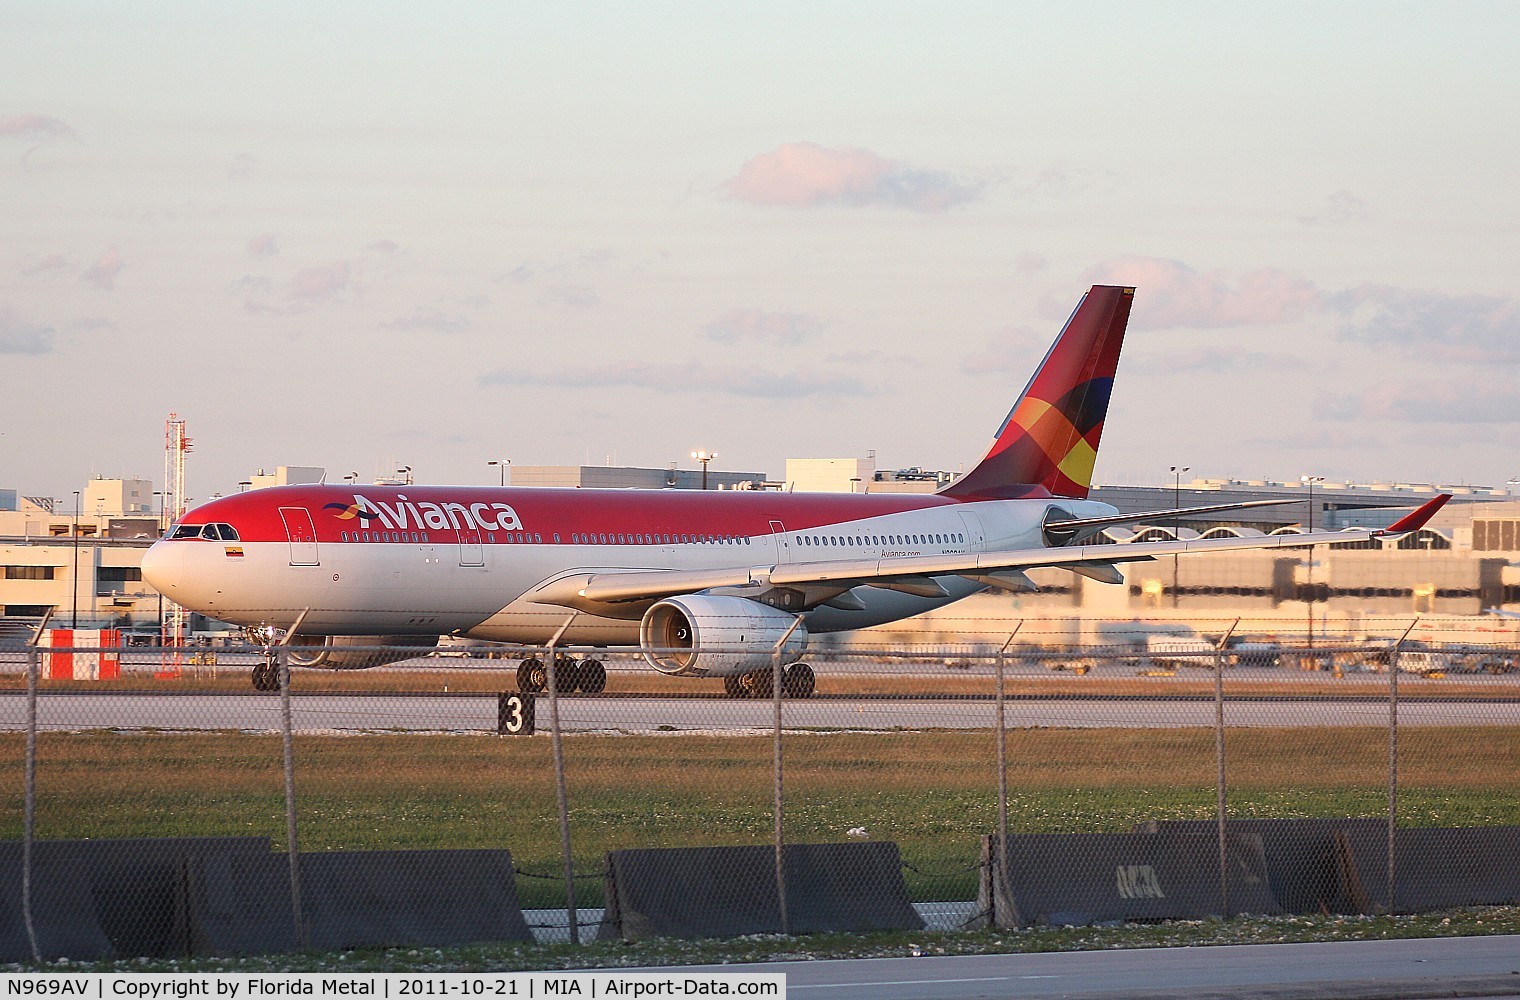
514 714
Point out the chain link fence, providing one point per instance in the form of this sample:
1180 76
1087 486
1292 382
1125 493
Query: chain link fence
1002 778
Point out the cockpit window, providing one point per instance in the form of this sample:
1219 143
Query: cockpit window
213 532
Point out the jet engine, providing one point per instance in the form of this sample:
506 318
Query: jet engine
355 652
699 636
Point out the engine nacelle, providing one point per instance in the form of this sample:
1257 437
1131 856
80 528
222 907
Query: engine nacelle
355 652
717 636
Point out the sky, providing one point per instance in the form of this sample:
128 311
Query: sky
372 235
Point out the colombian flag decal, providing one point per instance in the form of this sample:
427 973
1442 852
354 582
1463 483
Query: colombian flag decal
234 552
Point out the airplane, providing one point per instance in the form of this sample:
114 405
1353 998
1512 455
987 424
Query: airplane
703 584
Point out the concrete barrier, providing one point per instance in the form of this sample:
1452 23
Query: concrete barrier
133 882
1438 868
715 892
63 914
1087 878
1308 860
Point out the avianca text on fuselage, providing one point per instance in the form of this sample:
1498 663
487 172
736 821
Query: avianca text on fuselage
405 514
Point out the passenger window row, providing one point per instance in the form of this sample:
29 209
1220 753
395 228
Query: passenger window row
860 541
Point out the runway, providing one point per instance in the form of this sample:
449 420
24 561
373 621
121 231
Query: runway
382 713
1344 970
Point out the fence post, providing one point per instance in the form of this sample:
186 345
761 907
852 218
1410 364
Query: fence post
1221 777
29 822
292 841
1393 756
1002 770
561 797
778 803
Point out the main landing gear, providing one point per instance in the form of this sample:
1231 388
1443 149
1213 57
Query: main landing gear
797 681
573 675
266 675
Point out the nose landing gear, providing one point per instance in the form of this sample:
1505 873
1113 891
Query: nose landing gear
266 675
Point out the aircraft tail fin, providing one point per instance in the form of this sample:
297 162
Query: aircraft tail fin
1049 441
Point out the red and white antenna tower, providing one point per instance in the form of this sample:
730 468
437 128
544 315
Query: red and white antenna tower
176 619
176 446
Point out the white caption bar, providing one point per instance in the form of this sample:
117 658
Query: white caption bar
389 985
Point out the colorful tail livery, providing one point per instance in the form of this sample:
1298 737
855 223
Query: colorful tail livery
1049 441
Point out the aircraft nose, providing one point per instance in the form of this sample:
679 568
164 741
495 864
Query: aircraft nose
163 568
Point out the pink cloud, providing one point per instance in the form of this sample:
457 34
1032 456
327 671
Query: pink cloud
319 284
805 174
102 273
263 245
1171 294
34 127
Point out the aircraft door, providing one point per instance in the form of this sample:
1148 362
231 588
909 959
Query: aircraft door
783 542
470 551
302 535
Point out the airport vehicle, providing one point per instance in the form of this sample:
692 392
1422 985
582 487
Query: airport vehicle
705 584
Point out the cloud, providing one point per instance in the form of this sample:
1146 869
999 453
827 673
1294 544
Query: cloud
805 174
56 263
1218 360
263 245
1426 401
242 166
20 337
385 246
1480 329
1030 262
1341 208
428 318
102 273
318 284
751 325
691 377
574 296
36 127
1015 350
1171 294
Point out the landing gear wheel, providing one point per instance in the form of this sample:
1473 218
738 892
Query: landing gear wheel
756 683
531 676
733 686
798 681
567 674
266 677
593 677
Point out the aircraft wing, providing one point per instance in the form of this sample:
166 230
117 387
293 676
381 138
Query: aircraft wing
915 573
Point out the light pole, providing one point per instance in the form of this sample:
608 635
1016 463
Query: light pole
74 614
501 466
351 479
1177 471
704 457
1309 481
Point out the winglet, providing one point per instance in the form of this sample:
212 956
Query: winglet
1416 519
